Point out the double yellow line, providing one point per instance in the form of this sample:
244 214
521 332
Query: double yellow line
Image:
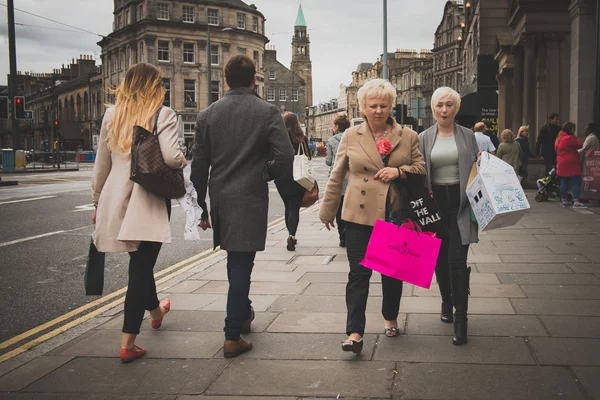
162 276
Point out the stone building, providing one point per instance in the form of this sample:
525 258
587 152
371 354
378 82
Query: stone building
362 74
284 88
301 64
447 60
321 118
546 63
173 35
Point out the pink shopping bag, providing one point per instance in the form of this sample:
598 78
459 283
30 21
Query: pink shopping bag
402 253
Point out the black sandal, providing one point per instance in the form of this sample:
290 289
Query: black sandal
352 345
392 332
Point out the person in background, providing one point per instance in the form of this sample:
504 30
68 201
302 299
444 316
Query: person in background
545 142
291 192
489 133
591 139
568 165
450 150
240 145
129 218
523 141
483 141
509 151
340 124
373 154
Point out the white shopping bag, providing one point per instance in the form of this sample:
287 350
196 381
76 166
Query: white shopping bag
303 170
496 195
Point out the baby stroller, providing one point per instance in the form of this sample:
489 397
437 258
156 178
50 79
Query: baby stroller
549 187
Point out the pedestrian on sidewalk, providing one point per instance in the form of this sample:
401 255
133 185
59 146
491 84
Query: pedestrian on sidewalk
523 141
509 151
483 141
591 139
340 124
129 218
568 165
545 142
490 133
374 155
291 192
240 144
450 151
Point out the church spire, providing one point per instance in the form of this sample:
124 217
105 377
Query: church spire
300 21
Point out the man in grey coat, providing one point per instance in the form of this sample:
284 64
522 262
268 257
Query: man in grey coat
240 144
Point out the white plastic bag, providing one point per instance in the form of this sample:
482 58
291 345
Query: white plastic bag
303 169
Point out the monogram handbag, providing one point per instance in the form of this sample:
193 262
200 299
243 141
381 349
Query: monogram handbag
310 196
148 168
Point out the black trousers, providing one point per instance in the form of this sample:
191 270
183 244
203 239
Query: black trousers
141 289
357 289
341 224
550 162
453 254
292 204
239 270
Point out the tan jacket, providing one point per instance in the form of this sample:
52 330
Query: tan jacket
365 198
128 213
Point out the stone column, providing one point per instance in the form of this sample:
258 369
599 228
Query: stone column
542 85
505 99
529 77
517 104
553 73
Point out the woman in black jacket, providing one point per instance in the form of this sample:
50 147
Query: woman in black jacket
523 140
291 192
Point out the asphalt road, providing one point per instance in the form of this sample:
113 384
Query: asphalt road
45 229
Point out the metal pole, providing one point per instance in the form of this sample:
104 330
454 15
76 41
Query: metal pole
385 52
209 65
12 82
597 86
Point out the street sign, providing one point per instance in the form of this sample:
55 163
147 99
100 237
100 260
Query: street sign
27 114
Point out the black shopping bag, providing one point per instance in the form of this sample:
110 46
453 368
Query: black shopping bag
420 204
94 272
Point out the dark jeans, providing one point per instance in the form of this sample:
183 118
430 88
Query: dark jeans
292 211
341 224
564 187
550 163
524 173
453 254
239 270
357 288
141 289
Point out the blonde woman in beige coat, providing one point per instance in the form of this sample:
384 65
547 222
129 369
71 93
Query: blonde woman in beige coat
128 218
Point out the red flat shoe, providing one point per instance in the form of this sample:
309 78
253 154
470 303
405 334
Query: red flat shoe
130 355
166 304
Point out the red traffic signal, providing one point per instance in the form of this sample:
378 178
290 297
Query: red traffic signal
19 107
56 123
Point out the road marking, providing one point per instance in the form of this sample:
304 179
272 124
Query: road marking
85 207
41 236
199 259
24 200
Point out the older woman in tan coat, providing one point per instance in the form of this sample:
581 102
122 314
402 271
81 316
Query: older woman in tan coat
129 218
374 155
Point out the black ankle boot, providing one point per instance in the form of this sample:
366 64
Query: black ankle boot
446 315
460 295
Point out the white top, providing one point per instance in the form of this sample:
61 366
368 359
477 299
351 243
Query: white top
484 142
444 161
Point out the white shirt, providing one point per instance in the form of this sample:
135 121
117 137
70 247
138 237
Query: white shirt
484 143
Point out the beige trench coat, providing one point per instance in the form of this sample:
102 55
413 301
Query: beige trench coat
127 213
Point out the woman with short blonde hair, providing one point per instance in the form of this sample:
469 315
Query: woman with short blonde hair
374 155
129 218
509 151
526 153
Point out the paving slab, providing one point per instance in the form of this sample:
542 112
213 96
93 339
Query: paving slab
425 305
257 288
233 398
588 376
296 346
584 268
299 322
339 289
479 325
187 286
525 268
340 267
81 396
110 376
567 351
189 301
518 243
572 327
548 258
306 378
477 290
260 302
485 382
336 277
574 292
484 258
556 307
439 349
32 371
558 248
511 250
549 279
331 250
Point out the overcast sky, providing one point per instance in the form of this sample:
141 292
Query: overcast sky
343 33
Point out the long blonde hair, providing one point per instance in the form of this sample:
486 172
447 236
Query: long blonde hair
139 96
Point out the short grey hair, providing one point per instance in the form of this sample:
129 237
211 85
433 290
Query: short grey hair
376 88
442 92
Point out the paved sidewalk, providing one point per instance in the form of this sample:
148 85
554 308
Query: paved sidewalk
534 329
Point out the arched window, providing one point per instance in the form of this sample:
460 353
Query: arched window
79 108
72 109
86 109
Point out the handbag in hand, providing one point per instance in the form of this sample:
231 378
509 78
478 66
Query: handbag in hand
303 169
421 205
93 278
148 168
310 196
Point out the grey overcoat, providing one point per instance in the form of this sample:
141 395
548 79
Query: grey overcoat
241 143
467 155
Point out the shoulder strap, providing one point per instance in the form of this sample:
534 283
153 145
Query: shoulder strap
155 129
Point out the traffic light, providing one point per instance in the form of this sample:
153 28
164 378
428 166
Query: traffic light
19 107
56 124
3 107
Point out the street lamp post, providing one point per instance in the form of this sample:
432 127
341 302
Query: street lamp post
597 86
385 53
